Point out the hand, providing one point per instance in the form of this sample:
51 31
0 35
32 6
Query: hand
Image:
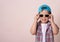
37 18
51 18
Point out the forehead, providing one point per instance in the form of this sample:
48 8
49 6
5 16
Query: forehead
44 12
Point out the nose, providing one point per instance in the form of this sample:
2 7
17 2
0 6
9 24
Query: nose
44 18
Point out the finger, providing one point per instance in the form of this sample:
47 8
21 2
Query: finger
39 19
36 14
51 16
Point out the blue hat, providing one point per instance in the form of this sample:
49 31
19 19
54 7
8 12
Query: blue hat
44 7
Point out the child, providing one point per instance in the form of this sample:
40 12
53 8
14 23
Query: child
44 27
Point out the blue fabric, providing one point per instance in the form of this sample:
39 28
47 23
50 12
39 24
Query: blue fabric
44 7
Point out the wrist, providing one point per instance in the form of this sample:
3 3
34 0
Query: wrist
52 22
35 21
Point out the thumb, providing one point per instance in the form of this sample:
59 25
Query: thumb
39 20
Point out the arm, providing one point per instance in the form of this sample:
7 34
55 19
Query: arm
34 25
33 28
55 28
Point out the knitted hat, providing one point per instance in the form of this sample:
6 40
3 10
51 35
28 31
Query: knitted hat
44 7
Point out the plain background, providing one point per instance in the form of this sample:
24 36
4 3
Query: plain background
17 16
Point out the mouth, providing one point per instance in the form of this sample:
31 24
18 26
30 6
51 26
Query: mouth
44 19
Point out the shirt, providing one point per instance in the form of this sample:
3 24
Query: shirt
44 27
49 37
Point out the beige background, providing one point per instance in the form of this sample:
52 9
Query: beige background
17 16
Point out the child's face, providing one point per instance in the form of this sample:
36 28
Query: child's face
44 16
